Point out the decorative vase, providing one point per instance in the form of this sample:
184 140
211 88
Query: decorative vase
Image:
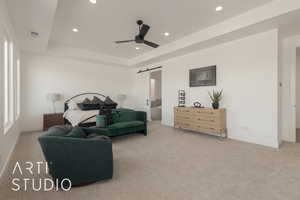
215 105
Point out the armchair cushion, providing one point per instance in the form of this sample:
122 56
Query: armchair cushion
77 132
57 131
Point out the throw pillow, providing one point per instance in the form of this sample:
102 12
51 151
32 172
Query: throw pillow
88 106
77 132
98 101
86 101
109 101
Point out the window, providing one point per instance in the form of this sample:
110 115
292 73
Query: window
11 83
11 108
18 92
6 88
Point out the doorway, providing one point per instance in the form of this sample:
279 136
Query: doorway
155 95
298 95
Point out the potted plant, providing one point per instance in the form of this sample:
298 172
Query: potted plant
216 97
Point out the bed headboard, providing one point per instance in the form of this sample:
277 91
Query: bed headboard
80 95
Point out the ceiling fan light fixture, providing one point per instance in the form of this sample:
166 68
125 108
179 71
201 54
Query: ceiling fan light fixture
75 30
166 34
219 8
137 48
93 1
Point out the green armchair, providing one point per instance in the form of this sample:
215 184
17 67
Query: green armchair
82 160
123 123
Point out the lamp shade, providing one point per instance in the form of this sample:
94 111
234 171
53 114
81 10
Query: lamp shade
53 97
121 97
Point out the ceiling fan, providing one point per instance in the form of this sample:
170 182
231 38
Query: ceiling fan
140 38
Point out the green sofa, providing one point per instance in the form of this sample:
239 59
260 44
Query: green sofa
77 155
124 123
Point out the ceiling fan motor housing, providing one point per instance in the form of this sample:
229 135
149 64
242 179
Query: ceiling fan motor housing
139 39
139 22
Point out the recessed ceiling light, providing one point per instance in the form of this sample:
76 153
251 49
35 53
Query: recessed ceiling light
75 30
137 48
93 1
34 34
219 8
167 34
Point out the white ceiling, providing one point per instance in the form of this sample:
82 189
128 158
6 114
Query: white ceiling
193 24
109 20
32 15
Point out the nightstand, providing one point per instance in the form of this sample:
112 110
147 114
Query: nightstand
53 119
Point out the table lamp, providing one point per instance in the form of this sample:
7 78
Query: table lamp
53 97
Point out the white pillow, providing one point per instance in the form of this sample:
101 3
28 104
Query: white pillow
73 105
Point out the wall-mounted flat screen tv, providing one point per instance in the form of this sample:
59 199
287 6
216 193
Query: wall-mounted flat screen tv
205 76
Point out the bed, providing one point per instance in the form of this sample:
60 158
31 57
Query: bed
74 116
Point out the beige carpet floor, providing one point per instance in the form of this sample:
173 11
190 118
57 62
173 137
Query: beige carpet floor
171 164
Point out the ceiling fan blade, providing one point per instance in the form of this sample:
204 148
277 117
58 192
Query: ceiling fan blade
151 44
124 41
144 30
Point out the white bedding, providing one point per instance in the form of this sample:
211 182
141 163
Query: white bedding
77 116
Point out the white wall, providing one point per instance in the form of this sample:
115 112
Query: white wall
247 72
43 74
7 141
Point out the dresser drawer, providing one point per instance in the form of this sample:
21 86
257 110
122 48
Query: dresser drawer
206 112
184 118
207 129
182 124
210 120
182 110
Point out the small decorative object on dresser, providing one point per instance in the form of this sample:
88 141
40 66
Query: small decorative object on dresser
197 104
216 97
181 98
52 119
205 120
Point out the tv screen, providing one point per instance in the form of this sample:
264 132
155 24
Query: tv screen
205 76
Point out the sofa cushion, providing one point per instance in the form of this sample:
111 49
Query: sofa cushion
127 124
124 131
76 132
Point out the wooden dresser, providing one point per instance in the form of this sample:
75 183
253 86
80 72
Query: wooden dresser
206 120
